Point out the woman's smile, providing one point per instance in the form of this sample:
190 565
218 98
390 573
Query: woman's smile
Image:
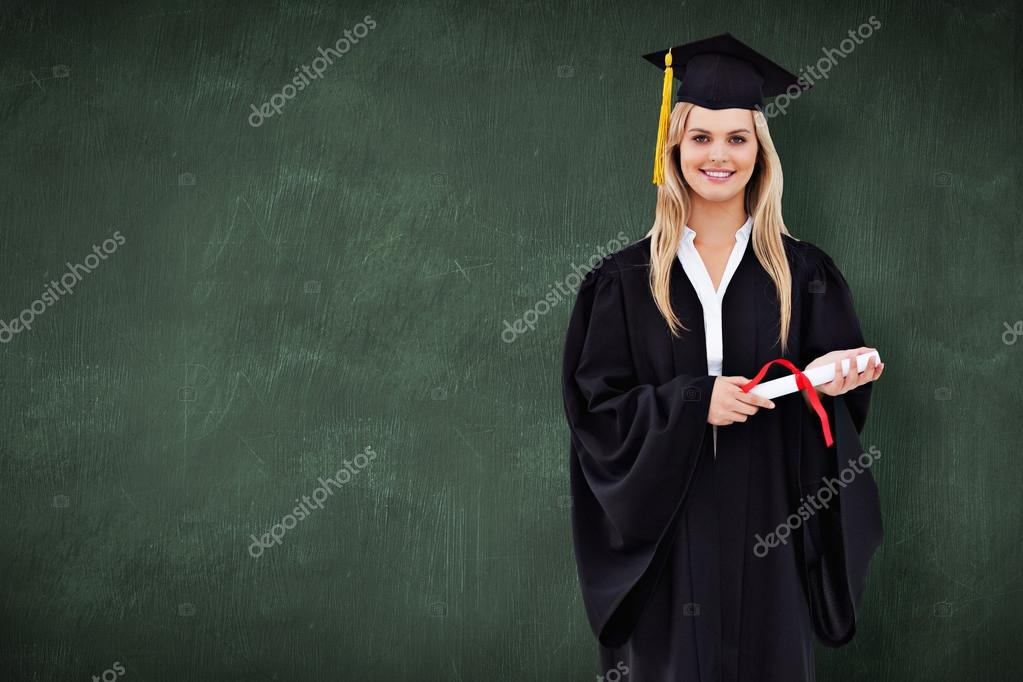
717 175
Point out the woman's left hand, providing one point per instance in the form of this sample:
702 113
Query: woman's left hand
843 384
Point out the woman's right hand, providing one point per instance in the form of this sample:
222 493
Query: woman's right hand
729 404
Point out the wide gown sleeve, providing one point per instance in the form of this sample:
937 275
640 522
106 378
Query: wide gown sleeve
634 448
841 538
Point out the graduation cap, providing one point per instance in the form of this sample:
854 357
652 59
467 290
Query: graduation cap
716 73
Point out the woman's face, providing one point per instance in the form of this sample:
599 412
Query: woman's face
721 140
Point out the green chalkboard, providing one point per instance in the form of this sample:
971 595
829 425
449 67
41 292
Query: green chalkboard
262 415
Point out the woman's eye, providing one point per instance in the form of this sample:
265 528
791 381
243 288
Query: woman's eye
740 139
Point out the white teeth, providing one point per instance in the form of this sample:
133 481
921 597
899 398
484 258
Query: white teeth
718 174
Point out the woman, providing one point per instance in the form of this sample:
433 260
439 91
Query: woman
706 545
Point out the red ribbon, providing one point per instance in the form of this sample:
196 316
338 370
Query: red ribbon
802 383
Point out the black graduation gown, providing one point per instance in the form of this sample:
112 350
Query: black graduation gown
664 532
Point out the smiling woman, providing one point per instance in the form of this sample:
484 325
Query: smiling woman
675 469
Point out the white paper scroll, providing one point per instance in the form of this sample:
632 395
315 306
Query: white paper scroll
817 376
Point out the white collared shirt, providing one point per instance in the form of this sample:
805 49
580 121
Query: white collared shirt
711 300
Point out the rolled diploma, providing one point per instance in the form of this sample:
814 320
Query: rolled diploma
817 376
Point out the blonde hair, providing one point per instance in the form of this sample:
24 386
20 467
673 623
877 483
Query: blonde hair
762 202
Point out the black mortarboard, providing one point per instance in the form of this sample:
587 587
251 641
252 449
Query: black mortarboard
716 73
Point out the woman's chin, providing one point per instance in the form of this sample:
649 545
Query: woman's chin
716 196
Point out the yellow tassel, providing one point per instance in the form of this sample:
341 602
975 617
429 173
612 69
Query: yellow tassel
662 123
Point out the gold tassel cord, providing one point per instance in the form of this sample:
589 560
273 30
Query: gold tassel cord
662 123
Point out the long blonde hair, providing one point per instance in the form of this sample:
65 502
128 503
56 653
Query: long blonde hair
762 202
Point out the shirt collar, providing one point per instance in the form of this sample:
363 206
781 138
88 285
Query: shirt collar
743 233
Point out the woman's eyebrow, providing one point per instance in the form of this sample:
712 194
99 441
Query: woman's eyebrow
732 132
